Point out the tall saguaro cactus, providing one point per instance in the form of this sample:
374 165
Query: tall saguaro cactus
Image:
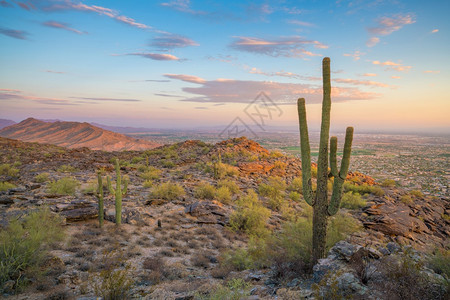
119 192
322 206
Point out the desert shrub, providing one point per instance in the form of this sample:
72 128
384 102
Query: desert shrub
225 170
168 191
235 289
239 259
405 278
148 183
167 163
157 268
8 170
90 187
314 171
352 200
115 280
407 199
280 165
223 194
64 186
41 178
296 185
274 188
440 262
205 191
294 196
276 154
388 182
416 193
231 185
4 186
363 189
339 227
67 169
25 245
151 173
250 216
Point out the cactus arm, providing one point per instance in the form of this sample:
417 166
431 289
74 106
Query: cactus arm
305 153
336 197
100 200
333 156
118 194
125 186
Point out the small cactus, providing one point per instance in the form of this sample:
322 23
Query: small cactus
101 213
119 192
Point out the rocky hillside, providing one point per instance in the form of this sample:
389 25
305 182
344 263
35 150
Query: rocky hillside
73 135
187 228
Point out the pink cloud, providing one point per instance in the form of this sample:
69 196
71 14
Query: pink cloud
156 56
356 55
369 74
61 25
387 25
186 78
392 66
361 82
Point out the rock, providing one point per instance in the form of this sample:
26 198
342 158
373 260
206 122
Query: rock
393 247
207 213
6 200
344 250
349 284
80 214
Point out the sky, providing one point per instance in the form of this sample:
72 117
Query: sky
187 64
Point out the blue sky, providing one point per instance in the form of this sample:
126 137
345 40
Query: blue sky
181 63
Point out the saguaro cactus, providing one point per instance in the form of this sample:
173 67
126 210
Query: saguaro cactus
119 192
322 206
100 200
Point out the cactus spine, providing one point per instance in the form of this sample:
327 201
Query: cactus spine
119 192
322 207
100 200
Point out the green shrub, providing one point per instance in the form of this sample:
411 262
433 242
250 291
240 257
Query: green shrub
90 187
8 170
223 194
239 259
416 193
4 186
363 189
250 215
41 178
236 289
440 262
167 163
225 170
64 186
205 191
296 185
314 171
341 225
274 188
231 185
352 200
67 169
407 199
294 196
25 245
168 191
151 173
147 184
276 154
388 182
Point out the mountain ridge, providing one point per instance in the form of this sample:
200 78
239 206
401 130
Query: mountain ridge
73 135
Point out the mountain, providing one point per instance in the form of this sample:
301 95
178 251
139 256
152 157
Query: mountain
5 123
73 135
123 129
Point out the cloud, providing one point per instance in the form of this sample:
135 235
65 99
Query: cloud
432 72
55 5
434 30
61 25
369 74
284 46
183 6
106 99
388 25
54 72
301 23
356 55
5 4
395 77
8 94
392 66
360 82
17 34
167 95
372 41
186 78
283 74
201 107
244 91
170 41
156 56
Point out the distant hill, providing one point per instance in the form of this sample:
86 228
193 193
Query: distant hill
73 135
123 129
5 123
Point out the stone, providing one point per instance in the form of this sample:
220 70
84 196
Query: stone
393 247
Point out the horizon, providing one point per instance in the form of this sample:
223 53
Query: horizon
192 64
